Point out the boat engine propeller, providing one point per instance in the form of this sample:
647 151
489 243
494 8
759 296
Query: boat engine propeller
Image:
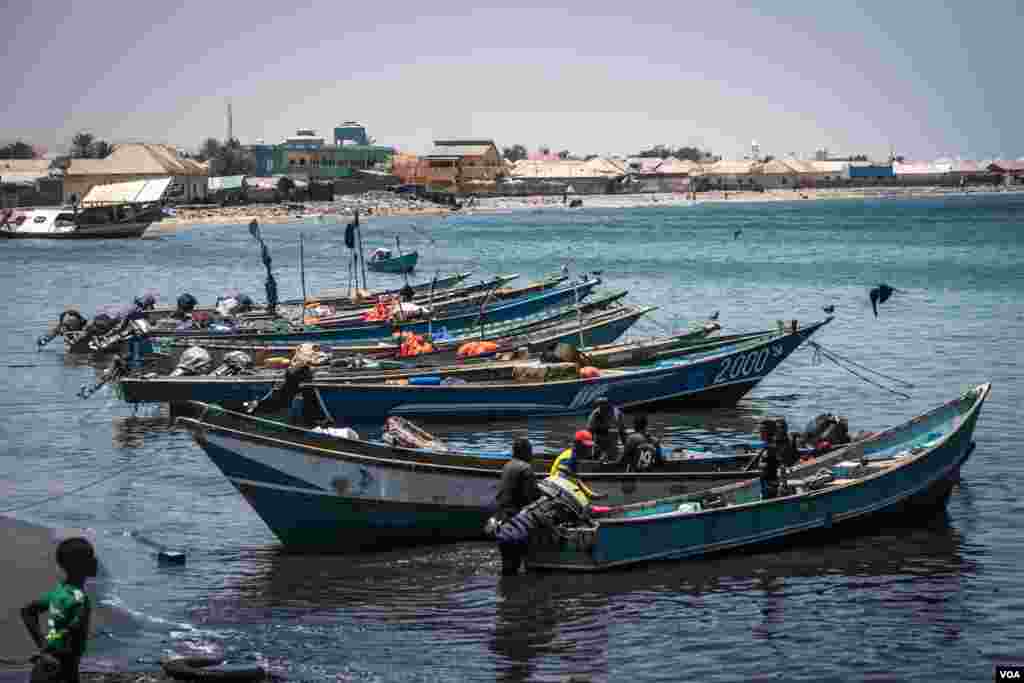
118 368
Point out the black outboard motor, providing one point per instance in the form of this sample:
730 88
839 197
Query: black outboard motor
235 363
186 304
195 360
281 398
135 325
146 302
69 321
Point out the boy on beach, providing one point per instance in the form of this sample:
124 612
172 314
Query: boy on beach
62 646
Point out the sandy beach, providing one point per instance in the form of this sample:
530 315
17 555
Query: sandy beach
29 569
374 204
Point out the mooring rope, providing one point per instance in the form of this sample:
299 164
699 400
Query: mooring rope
820 351
97 482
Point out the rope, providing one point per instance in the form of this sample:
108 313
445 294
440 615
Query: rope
836 360
820 349
91 484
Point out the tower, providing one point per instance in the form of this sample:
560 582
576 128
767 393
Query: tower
231 132
755 151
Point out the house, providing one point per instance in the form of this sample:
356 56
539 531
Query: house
464 165
870 173
1009 172
731 175
557 176
928 173
28 182
647 174
306 156
138 161
226 189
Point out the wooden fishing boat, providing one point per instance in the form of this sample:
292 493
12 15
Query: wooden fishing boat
384 330
908 470
382 261
719 377
345 299
440 307
115 210
601 329
326 493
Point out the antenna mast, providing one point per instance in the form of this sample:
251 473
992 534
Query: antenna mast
231 132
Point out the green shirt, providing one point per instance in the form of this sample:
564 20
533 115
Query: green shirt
67 607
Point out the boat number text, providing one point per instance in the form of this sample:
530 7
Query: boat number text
744 364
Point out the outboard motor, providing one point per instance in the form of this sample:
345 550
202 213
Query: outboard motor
69 321
127 329
186 304
826 431
195 360
235 363
118 368
146 302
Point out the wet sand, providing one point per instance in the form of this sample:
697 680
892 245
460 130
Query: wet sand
28 569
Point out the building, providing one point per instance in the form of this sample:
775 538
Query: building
351 133
263 157
647 174
558 176
138 161
731 175
469 165
29 182
923 173
306 156
1008 172
870 173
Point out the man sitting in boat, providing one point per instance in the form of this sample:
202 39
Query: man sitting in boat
642 451
606 425
768 459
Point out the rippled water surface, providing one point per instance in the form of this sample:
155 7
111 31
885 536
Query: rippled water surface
940 602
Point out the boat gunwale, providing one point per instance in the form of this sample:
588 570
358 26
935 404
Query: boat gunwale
904 461
805 332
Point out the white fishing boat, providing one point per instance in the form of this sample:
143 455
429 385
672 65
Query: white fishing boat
114 210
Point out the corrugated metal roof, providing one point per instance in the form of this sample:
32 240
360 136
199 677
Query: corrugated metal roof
1006 165
565 168
24 167
725 167
137 191
138 159
459 151
230 182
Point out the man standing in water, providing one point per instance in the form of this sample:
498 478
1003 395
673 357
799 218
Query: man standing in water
517 489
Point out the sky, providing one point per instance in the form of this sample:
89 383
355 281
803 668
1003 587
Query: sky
926 79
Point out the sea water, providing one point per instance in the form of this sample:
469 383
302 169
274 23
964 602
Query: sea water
940 602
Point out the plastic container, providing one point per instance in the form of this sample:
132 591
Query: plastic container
428 381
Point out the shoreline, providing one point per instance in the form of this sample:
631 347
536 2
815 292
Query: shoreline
374 204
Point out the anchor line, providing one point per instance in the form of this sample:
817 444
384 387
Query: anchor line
826 352
836 360
83 487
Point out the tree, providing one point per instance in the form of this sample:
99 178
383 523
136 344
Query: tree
18 150
681 153
545 151
564 154
100 149
226 159
768 158
81 145
514 153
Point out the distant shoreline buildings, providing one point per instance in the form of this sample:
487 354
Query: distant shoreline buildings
353 162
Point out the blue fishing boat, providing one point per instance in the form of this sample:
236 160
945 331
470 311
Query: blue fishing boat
384 330
604 328
719 377
322 492
908 470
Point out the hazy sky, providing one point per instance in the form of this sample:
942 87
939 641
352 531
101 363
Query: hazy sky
929 78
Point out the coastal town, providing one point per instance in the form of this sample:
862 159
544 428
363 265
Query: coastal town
309 166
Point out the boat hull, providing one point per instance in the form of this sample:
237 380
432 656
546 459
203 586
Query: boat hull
117 230
385 330
719 379
401 264
235 390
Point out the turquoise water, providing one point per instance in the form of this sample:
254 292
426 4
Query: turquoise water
940 602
